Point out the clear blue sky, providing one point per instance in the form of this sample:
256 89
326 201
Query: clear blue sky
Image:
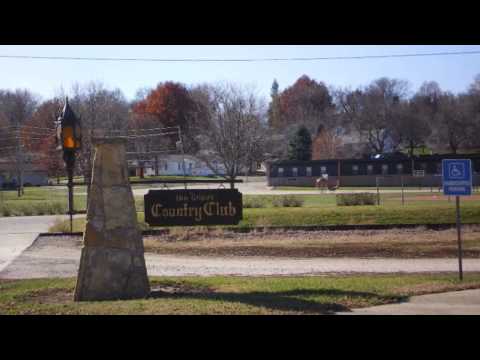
44 77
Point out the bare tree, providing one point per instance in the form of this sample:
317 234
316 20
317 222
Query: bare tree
373 110
411 128
454 121
473 99
101 111
475 86
235 130
326 145
16 108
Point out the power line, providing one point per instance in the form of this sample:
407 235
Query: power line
360 57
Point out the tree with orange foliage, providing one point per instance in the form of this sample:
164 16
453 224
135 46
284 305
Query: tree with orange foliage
326 145
307 102
169 104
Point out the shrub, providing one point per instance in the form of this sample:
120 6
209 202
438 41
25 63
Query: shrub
356 199
60 226
5 211
57 207
26 210
254 202
288 201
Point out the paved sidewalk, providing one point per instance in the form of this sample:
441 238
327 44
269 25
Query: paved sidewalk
466 302
18 233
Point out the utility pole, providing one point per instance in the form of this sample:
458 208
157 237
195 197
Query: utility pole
19 162
183 156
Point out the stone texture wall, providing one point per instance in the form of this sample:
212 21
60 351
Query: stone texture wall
112 264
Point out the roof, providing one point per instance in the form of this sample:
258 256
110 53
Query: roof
9 165
389 158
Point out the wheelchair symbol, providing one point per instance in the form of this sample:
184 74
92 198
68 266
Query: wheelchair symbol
456 171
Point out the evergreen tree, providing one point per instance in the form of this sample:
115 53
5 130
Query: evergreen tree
300 146
274 107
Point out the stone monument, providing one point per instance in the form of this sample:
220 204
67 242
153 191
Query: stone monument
112 264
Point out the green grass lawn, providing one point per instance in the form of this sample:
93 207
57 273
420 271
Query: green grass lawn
409 188
39 201
316 209
310 216
232 295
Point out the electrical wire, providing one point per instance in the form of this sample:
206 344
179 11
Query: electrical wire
360 57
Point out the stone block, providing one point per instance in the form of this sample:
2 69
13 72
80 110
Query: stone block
111 274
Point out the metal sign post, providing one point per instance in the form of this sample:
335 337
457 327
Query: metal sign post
457 181
459 238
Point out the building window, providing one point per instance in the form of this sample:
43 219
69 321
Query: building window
384 169
280 171
294 171
399 168
309 171
369 169
323 170
355 169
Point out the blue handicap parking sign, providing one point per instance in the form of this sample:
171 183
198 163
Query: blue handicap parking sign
457 177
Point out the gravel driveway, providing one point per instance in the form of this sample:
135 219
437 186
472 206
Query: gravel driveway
59 257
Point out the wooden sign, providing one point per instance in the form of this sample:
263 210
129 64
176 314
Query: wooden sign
193 207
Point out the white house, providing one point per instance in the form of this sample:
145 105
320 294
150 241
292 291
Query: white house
173 165
33 174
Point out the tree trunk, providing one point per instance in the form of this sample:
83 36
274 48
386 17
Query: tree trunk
411 149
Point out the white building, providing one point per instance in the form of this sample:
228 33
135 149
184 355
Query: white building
173 165
33 174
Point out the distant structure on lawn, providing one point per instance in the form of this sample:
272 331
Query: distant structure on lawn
33 174
173 165
387 170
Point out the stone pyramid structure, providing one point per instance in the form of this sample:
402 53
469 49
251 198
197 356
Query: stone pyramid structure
112 264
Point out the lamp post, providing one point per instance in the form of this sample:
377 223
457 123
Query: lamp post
69 135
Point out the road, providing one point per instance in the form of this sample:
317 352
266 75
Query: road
59 257
258 186
261 188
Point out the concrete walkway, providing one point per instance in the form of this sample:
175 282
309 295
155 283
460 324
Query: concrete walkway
18 233
466 302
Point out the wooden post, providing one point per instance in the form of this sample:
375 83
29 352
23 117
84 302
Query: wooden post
403 195
378 192
338 173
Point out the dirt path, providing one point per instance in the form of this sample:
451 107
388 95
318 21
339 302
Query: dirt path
59 257
416 242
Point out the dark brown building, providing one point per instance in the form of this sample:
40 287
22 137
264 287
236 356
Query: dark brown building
387 170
